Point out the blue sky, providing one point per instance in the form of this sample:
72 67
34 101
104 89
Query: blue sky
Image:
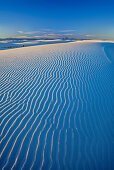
93 19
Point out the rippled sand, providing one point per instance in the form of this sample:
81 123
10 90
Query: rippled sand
56 107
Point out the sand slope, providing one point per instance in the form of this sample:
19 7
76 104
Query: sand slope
56 104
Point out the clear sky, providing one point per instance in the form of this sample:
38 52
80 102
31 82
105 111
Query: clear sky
79 18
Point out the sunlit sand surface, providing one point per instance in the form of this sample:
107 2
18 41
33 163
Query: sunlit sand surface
56 107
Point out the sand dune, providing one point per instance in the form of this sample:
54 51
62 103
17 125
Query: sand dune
56 104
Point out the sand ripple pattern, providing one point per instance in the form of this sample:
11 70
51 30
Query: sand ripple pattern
56 108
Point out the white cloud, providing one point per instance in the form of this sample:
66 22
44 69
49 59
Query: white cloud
20 32
29 33
89 35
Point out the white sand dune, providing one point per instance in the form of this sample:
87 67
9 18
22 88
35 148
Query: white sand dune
56 106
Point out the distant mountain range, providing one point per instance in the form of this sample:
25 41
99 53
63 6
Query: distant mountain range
31 38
